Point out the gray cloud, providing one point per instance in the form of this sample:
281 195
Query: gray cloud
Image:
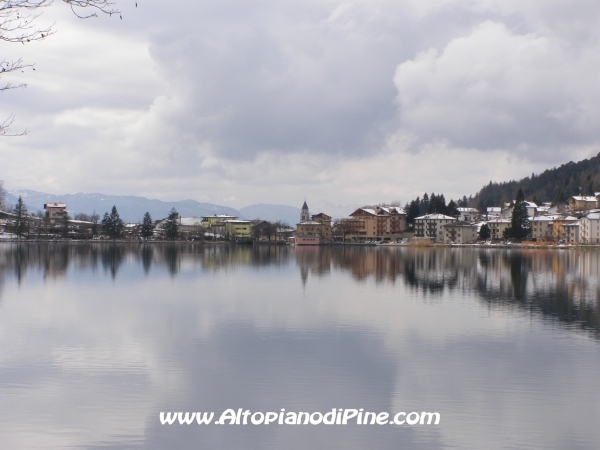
210 99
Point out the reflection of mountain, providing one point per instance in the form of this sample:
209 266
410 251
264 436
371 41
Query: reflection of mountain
562 285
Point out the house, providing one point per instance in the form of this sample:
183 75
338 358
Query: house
238 230
56 211
542 227
216 223
589 229
319 225
558 227
508 209
497 227
468 214
582 203
430 225
459 232
571 232
375 223
493 211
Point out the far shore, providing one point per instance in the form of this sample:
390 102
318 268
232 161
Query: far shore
420 244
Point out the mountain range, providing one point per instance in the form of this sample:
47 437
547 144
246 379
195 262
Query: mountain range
132 208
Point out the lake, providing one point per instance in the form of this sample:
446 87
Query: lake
96 340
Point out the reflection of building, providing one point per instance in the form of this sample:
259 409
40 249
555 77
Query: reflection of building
430 225
459 232
55 211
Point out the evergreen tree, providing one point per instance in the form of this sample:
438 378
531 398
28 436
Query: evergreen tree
94 219
112 225
485 232
21 224
424 206
452 209
147 226
519 222
413 211
172 225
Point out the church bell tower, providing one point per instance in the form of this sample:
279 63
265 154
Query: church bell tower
304 215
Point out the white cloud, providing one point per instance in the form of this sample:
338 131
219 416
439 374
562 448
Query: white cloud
271 101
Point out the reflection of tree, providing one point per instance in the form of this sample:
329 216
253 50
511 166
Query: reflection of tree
171 256
562 285
147 254
112 257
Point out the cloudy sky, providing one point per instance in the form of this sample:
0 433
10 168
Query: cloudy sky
237 102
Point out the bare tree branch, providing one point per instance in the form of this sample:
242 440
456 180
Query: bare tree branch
17 26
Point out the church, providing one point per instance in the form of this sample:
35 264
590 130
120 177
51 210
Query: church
313 230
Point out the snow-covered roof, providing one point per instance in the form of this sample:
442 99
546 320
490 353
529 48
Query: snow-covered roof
55 205
309 222
435 217
549 218
584 198
471 210
190 221
594 216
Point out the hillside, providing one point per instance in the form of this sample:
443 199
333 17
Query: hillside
131 208
553 185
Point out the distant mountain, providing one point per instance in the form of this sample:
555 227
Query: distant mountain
272 213
131 208
553 185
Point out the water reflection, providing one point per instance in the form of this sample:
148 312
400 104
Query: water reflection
560 284
96 339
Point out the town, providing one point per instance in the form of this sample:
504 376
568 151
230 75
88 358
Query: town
575 222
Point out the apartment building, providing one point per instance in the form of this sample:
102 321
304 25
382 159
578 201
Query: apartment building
430 225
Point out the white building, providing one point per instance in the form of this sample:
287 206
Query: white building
55 211
589 229
508 209
430 225
468 214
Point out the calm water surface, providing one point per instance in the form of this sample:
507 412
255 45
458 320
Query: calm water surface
97 339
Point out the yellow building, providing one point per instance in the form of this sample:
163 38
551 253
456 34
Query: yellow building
217 219
238 230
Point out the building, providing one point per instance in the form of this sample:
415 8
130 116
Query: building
497 227
216 223
571 232
468 214
459 232
493 212
319 225
430 225
238 230
589 229
56 211
508 209
542 227
559 233
583 203
375 223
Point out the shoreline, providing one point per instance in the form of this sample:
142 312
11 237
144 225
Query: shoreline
328 244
